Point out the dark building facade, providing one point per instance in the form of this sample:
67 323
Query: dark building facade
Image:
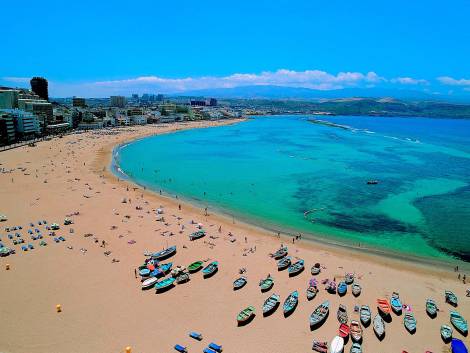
40 87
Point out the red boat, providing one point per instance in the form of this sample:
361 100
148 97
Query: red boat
384 306
344 330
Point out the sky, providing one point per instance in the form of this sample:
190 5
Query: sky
98 48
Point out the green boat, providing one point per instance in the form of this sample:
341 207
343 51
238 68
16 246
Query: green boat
451 298
446 333
409 321
431 308
246 314
164 283
266 284
210 269
195 266
459 322
197 235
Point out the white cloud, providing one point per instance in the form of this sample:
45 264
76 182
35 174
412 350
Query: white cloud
16 79
409 81
446 80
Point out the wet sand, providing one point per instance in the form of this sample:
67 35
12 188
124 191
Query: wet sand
103 306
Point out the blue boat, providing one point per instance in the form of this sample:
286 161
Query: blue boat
458 346
166 267
164 254
342 288
215 347
395 303
164 283
210 269
144 272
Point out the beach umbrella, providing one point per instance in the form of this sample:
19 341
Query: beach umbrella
458 346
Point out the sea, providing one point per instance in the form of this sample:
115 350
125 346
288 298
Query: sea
309 175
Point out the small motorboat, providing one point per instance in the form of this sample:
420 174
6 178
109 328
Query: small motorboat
284 263
266 284
372 182
342 314
149 282
446 333
316 269
355 348
384 306
379 326
296 268
344 330
182 277
431 308
356 331
280 253
409 321
395 303
349 278
270 304
356 289
164 283
195 266
246 314
164 254
342 288
365 314
319 346
451 298
337 345
311 292
331 287
320 314
210 269
197 235
239 282
459 322
291 302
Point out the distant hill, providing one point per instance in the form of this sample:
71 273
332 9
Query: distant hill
280 92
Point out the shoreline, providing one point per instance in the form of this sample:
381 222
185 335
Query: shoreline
378 255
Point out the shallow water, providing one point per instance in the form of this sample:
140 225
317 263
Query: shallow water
272 170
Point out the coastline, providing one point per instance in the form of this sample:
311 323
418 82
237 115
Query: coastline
312 240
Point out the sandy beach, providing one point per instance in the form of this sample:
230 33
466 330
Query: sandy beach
103 307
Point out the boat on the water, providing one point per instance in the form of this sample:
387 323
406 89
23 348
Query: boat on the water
239 282
458 346
320 346
164 254
195 266
246 314
320 314
451 298
355 348
280 253
291 303
356 289
446 333
342 288
431 308
372 182
337 345
459 322
210 269
365 314
164 283
311 292
284 263
270 304
296 268
344 330
316 269
384 306
409 321
379 326
266 284
197 235
149 282
395 303
356 331
342 314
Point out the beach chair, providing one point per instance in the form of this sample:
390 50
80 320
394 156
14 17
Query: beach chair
215 347
196 336
180 348
208 350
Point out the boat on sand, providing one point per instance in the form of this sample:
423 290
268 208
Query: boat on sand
379 326
270 304
291 302
337 345
451 298
320 314
320 346
365 314
384 306
459 322
431 308
342 314
246 314
296 268
446 333
210 269
395 303
409 321
356 331
195 266
239 282
311 292
266 284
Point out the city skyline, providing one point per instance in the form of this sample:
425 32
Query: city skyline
178 47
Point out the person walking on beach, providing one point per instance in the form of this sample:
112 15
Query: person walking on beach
179 207
135 272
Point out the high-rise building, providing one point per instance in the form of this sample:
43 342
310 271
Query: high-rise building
40 87
118 101
7 129
212 102
8 98
78 102
42 109
26 123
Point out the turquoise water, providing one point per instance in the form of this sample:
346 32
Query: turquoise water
272 170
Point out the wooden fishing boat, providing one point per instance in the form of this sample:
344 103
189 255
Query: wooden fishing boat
164 254
291 303
451 298
459 322
197 235
379 326
458 346
319 346
195 266
446 333
316 269
409 321
270 304
331 287
320 314
365 314
337 345
311 292
144 272
384 306
356 289
210 269
342 288
296 268
182 277
344 330
164 283
284 263
356 331
246 314
149 282
431 308
165 268
280 253
342 314
349 278
266 284
355 348
395 303
239 282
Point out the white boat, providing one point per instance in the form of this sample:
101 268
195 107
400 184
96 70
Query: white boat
149 282
337 345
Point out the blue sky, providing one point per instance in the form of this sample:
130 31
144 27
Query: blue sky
102 47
